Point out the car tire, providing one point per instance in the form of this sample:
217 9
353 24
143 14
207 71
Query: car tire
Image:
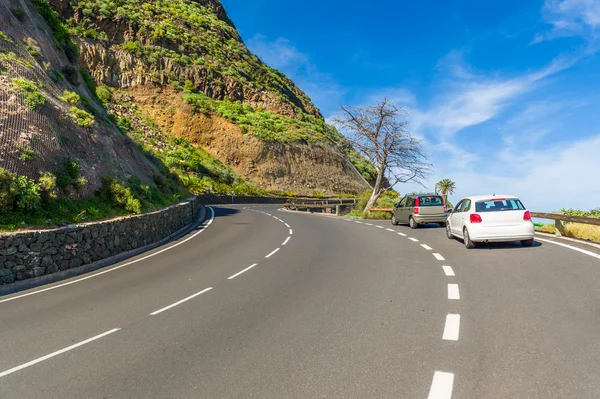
449 232
412 223
443 224
394 221
527 243
468 243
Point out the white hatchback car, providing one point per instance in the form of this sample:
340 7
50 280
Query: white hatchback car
490 218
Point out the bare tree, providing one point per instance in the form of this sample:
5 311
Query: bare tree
380 133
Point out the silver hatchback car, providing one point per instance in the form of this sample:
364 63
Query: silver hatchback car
417 209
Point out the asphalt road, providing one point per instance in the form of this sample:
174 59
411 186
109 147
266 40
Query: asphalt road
324 308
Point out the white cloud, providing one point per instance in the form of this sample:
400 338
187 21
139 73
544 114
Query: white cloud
570 18
281 54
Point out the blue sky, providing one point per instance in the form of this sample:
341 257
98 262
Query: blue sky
504 95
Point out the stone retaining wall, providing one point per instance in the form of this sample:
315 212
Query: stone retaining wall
28 254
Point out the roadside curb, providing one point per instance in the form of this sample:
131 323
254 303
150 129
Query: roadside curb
66 274
574 240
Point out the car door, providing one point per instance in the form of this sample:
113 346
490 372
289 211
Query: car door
409 204
461 216
398 209
453 217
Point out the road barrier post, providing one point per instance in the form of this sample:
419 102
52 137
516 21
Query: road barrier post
559 225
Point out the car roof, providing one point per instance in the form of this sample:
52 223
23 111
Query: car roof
489 197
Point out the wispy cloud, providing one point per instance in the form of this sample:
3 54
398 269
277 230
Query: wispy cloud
281 54
570 18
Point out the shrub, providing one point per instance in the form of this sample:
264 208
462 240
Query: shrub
58 76
8 191
5 37
62 36
26 154
71 74
80 182
103 94
81 117
120 195
72 168
47 182
28 194
33 97
18 12
31 45
62 180
70 97
124 123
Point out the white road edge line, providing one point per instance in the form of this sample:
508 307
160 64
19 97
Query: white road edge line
448 271
452 327
413 239
441 386
583 251
286 241
272 253
402 234
438 256
291 232
453 292
180 302
427 247
53 354
212 217
242 272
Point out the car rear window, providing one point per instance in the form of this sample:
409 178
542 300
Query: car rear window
431 201
496 205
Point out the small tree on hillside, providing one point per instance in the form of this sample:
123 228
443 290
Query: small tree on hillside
380 133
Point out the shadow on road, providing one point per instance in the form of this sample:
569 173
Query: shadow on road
506 245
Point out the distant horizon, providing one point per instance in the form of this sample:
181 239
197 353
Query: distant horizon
503 98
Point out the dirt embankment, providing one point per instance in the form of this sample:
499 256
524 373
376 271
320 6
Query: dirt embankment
301 168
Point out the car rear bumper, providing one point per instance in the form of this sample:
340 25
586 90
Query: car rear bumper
441 218
480 233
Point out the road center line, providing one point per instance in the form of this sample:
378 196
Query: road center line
287 225
180 302
413 239
402 234
358 222
453 292
291 232
427 247
203 228
369 224
243 271
441 386
438 256
452 327
448 271
272 253
379 227
53 354
286 241
392 230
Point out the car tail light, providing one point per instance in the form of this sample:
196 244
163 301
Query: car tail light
475 218
527 216
417 203
416 210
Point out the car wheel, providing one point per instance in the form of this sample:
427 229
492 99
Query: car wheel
394 221
449 232
443 224
468 243
412 223
527 243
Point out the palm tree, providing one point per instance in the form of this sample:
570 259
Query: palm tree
445 187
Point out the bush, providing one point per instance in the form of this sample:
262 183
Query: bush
28 194
103 94
48 185
8 191
71 74
71 167
19 13
33 97
120 195
81 117
26 154
70 97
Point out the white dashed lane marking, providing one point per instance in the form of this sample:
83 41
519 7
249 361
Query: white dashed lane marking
180 302
242 272
448 271
453 292
438 256
393 231
441 386
272 253
413 239
286 241
427 247
452 327
402 234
